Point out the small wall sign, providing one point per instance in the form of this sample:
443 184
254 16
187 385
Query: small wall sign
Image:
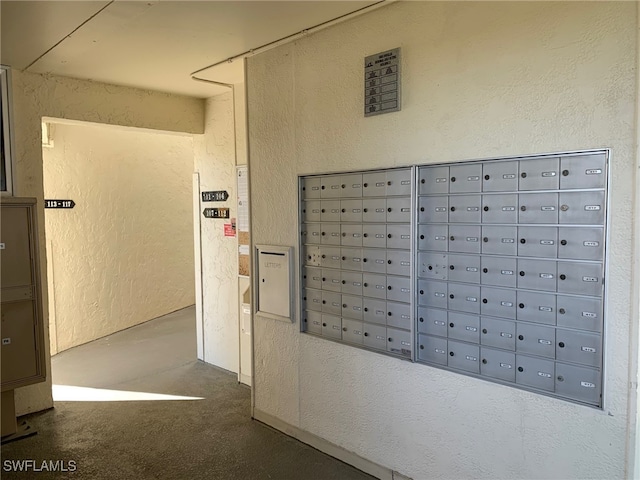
59 204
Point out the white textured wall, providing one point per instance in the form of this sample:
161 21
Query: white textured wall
37 96
124 254
479 80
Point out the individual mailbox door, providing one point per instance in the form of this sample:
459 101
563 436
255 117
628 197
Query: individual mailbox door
580 312
399 262
465 208
399 182
313 322
374 260
311 211
399 289
312 277
464 298
499 271
500 176
579 347
536 340
351 211
312 233
331 186
313 299
331 303
583 171
310 187
399 209
351 234
331 326
434 266
375 336
433 237
352 331
374 184
374 210
330 210
374 310
432 294
374 285
501 208
538 208
535 372
539 174
497 364
433 180
399 315
581 243
585 208
374 235
464 238
352 185
580 278
399 342
464 268
352 307
465 178
18 336
499 240
432 321
432 349
311 255
498 302
464 327
399 236
351 283
498 333
464 356
536 307
538 242
537 274
579 383
350 259
331 280
433 209
330 257
330 234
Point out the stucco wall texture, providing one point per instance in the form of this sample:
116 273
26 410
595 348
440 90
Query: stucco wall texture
123 255
480 80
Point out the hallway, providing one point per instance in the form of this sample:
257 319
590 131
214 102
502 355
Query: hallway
208 437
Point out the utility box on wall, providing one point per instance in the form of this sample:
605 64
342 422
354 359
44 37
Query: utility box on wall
274 278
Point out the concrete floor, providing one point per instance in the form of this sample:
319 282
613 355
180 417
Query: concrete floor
212 438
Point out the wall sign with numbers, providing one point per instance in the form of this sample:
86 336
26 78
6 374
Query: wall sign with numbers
382 83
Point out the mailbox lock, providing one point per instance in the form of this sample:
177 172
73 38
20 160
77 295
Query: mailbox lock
366 309
452 296
421 237
304 276
520 369
322 187
520 337
344 186
421 292
365 235
389 313
451 267
344 282
422 181
389 287
564 208
389 236
390 339
389 209
344 258
365 185
365 284
344 305
453 179
563 242
560 378
389 182
323 234
485 270
523 240
324 302
521 273
486 209
343 210
561 344
324 256
452 238
421 320
304 210
453 209
484 300
323 210
366 334
521 305
430 267
487 177
422 346
523 208
561 311
452 325
523 174
308 257
565 173
389 262
364 260
324 324
484 360
484 330
563 277
344 329
365 210
485 239
324 279
344 234
451 354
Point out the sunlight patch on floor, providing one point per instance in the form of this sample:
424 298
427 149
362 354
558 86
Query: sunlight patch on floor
69 393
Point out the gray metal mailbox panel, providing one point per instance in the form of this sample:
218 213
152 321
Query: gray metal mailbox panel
434 266
500 176
539 174
399 209
375 336
399 289
311 211
537 274
498 333
499 240
374 260
538 208
399 182
433 180
331 186
399 315
352 331
536 307
538 242
331 303
399 342
464 327
465 209
433 237
351 210
583 313
374 184
313 299
585 208
433 209
580 278
498 302
352 307
465 178
311 233
432 294
330 234
350 259
464 268
374 285
399 236
312 277
535 372
584 171
351 283
432 321
579 347
464 356
500 208
464 238
351 234
375 310
313 322
581 243
499 271
330 257
433 350
536 340
330 210
352 185
374 210
311 188
374 235
464 298
579 383
399 262
331 326
331 280
498 364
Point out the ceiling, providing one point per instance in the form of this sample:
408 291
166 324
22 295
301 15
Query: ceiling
153 44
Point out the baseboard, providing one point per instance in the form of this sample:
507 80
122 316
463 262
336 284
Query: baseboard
246 379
